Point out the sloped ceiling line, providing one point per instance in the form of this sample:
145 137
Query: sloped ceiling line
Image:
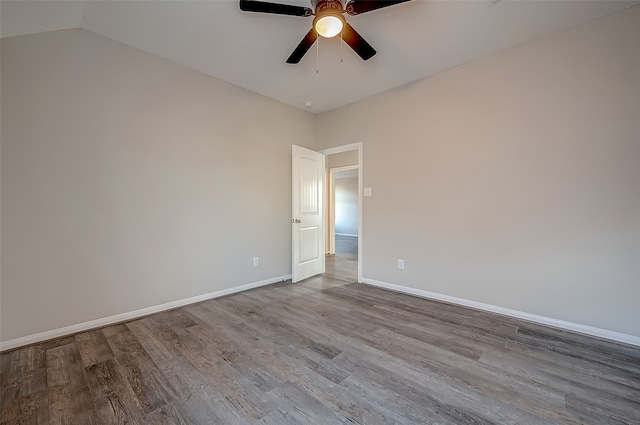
414 40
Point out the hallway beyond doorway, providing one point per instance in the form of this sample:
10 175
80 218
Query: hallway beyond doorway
347 246
343 265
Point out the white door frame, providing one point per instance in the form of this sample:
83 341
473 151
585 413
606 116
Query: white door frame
345 148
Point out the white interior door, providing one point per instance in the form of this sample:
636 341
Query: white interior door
306 220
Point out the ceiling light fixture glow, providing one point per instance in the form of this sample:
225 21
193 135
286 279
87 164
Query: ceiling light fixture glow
328 26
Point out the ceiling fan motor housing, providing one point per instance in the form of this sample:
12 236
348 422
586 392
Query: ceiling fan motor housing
327 7
318 4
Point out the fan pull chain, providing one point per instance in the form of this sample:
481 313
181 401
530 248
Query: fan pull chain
318 56
341 43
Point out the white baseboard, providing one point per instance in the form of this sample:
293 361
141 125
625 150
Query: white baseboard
570 326
347 234
118 318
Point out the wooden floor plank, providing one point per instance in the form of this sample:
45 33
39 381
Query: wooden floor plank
240 392
93 347
70 399
602 370
24 396
205 409
114 400
29 409
348 405
160 347
23 384
299 407
149 385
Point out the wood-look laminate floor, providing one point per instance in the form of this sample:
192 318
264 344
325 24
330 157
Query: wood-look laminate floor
324 351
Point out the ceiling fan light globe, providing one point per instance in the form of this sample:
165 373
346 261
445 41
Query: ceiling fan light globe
329 26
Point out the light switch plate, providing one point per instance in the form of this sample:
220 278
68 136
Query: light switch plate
367 191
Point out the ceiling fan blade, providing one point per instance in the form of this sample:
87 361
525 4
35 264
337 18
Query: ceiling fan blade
276 8
357 43
304 46
356 7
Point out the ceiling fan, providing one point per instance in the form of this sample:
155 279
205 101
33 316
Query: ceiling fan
328 21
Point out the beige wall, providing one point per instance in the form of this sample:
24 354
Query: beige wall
342 159
129 182
513 180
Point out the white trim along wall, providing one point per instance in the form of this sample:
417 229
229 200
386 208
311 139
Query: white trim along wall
535 318
119 318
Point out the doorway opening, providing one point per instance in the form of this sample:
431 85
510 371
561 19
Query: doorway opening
343 211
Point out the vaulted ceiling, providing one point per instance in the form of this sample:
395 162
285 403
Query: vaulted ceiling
414 40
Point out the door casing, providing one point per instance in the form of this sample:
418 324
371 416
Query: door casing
338 149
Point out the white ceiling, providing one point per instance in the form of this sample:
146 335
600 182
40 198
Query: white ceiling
414 40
